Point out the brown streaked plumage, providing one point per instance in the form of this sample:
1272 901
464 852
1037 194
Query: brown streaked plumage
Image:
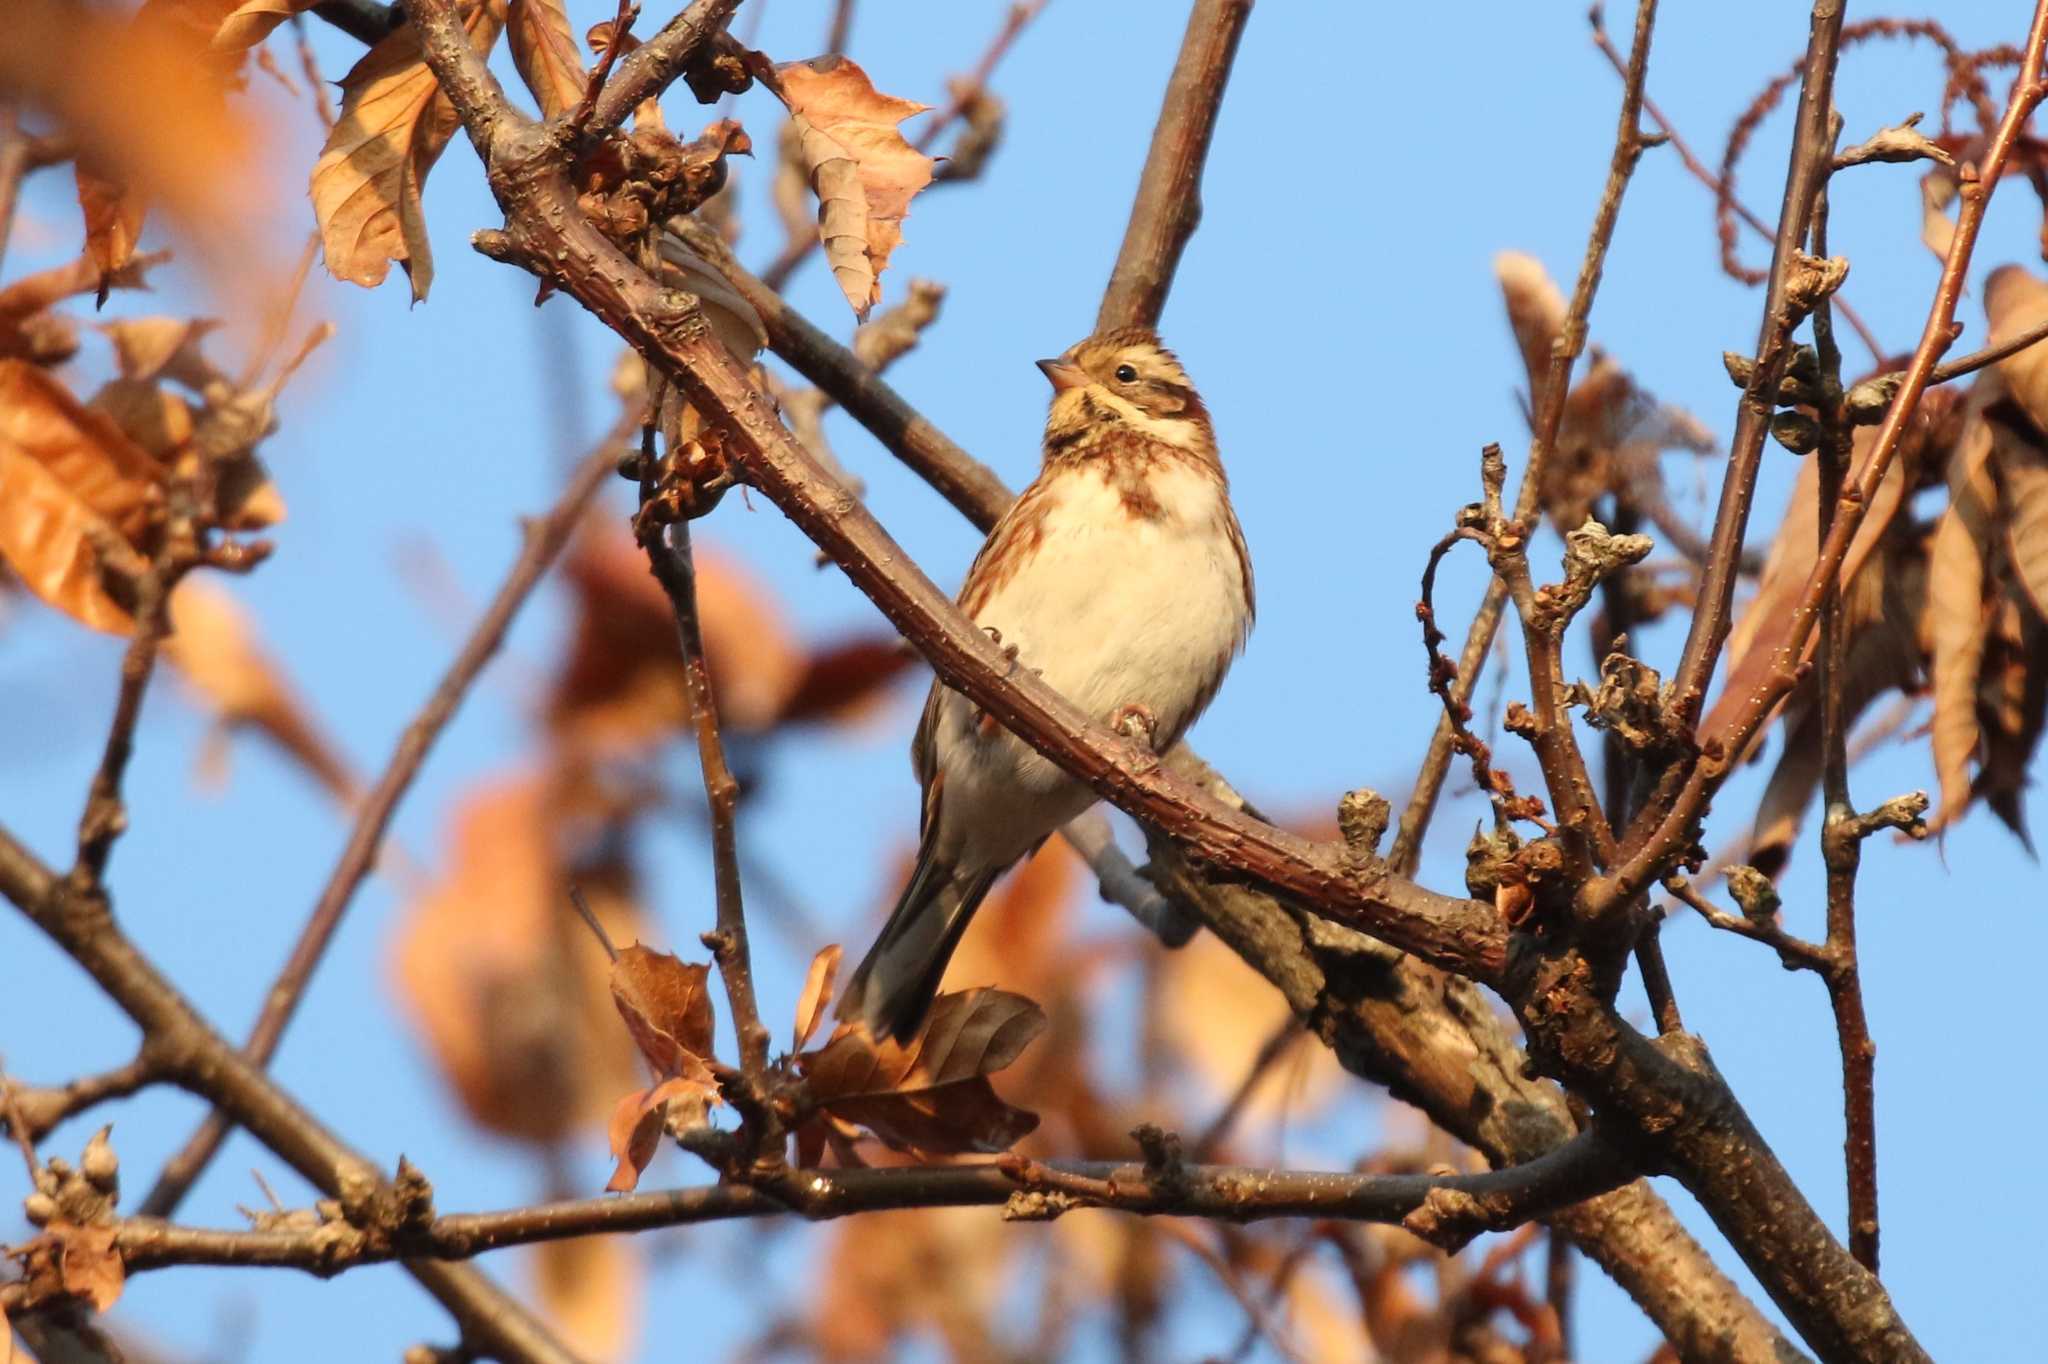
1121 576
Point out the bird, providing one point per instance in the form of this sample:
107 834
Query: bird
1121 577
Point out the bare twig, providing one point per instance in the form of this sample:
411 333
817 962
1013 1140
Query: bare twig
42 1108
543 541
677 574
104 818
1629 144
1448 1209
201 1060
1169 198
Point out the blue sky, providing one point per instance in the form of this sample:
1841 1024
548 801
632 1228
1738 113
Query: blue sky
1337 309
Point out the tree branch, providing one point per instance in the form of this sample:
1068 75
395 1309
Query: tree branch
656 64
199 1059
1448 1210
1169 198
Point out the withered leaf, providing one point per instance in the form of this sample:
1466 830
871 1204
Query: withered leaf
2023 469
544 49
163 347
91 1267
213 645
1536 313
591 1289
1956 614
816 998
1937 229
931 1093
642 1116
859 165
76 495
113 223
2016 301
394 124
254 21
666 1003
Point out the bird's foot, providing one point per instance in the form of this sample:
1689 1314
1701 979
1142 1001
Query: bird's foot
1136 722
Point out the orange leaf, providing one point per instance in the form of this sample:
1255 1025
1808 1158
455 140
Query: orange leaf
590 1288
861 169
254 21
213 644
113 222
76 495
544 49
666 1003
642 1116
1956 625
90 1266
817 994
931 1093
394 124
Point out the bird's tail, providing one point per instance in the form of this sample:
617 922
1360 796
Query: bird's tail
894 985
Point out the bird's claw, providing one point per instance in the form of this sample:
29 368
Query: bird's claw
1135 721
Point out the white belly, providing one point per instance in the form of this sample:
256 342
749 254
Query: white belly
1113 611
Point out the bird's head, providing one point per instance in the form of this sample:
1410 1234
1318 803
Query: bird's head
1123 380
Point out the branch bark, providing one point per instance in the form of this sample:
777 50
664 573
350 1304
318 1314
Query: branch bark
1169 200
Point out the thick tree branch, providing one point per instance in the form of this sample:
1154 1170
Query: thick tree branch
199 1059
656 64
543 543
1169 199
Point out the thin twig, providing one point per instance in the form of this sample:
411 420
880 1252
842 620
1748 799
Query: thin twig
42 1108
1277 1045
1713 182
656 64
104 818
1169 198
673 567
1629 144
543 541
1258 1316
1449 1209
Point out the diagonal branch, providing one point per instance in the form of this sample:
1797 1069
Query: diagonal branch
1169 199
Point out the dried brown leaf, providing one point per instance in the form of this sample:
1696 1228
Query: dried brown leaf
666 1003
513 1003
544 49
1956 583
2015 301
859 166
213 645
394 124
642 1116
816 998
1937 229
254 21
590 1287
1536 313
2023 470
76 496
113 222
90 1266
931 1093
163 347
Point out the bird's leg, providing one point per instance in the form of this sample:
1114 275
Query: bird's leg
1135 721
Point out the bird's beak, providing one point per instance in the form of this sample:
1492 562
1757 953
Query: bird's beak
1063 375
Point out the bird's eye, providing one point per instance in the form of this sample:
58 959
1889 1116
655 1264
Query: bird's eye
1126 375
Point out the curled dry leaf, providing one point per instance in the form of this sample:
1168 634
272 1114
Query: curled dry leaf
79 1260
544 49
666 1004
2016 301
858 164
1937 229
113 223
183 147
213 645
816 999
2023 472
1536 313
77 497
394 124
932 1093
254 21
591 1288
499 977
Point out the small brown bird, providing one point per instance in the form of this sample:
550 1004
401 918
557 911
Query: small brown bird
1121 577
